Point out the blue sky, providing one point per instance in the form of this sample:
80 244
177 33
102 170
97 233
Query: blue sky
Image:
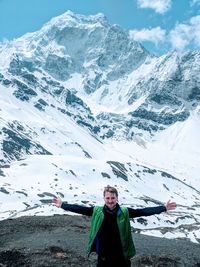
160 25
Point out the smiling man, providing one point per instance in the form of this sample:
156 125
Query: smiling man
110 234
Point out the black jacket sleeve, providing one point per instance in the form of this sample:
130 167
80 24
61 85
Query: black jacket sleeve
77 209
146 211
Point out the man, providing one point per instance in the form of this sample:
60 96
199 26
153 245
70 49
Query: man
110 234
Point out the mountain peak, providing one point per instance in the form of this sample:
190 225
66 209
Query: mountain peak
70 19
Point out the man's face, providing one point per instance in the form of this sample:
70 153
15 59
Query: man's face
110 200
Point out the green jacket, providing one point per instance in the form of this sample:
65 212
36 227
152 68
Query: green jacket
124 230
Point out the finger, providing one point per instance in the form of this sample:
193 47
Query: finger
55 201
172 205
167 203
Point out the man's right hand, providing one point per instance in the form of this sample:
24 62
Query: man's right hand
57 202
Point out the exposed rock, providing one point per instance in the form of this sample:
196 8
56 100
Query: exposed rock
61 240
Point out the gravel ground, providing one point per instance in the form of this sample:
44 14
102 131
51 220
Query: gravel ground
61 240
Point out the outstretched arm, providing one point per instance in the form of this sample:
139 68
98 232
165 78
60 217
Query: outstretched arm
73 207
133 213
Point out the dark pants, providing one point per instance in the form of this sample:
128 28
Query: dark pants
102 262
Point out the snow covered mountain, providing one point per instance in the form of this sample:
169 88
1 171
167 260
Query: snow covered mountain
82 105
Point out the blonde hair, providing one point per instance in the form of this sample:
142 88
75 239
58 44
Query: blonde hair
110 189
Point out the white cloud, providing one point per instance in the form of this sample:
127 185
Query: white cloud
154 35
180 37
159 6
184 34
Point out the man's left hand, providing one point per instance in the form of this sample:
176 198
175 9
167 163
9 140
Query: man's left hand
170 205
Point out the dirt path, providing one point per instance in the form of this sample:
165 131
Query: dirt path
61 240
